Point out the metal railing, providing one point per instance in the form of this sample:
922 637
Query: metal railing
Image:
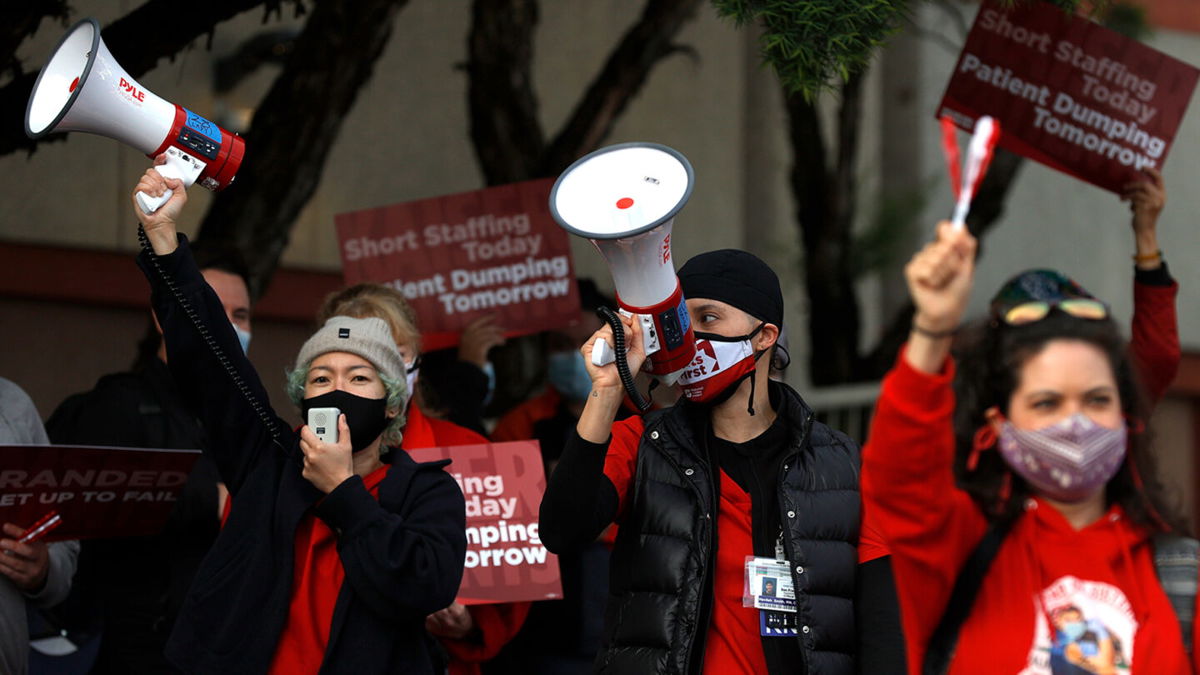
847 408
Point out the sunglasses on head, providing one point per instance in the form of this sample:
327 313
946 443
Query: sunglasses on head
1036 310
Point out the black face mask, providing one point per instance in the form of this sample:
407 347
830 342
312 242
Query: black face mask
366 417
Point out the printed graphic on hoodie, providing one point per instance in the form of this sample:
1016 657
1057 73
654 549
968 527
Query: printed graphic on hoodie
1083 628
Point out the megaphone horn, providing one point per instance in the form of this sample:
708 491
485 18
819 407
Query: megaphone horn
83 88
624 199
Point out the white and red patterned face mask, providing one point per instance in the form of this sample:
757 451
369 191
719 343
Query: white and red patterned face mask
720 363
1066 461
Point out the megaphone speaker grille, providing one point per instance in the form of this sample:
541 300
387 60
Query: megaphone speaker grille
622 190
61 80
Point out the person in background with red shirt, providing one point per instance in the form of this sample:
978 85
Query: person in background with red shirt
737 469
1040 558
471 635
331 558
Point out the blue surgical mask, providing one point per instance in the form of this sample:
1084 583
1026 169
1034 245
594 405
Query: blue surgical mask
568 375
243 338
489 370
1074 630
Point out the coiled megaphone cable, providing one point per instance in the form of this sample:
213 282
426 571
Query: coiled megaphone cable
610 317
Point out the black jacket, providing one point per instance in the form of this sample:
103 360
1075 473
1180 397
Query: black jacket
402 555
132 587
661 576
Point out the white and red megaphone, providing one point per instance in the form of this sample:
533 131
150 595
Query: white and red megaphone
82 88
624 199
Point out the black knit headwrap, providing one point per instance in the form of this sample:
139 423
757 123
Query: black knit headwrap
736 278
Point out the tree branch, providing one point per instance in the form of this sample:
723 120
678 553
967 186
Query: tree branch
621 79
293 129
19 20
505 130
137 41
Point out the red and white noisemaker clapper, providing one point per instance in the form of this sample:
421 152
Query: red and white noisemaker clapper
979 155
624 199
82 88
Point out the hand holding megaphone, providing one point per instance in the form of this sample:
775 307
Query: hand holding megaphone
168 195
599 357
171 165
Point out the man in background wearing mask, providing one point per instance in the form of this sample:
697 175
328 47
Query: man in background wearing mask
733 484
130 589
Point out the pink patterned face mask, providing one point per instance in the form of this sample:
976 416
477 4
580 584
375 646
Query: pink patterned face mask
1066 461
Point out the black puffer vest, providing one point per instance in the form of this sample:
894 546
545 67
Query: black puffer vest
661 574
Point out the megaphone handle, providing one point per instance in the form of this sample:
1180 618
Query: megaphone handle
602 353
178 165
150 204
618 348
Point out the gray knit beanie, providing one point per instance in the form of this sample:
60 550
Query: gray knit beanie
369 338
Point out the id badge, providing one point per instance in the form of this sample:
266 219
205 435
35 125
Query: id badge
777 624
768 585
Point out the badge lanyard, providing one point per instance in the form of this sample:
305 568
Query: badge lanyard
768 587
979 155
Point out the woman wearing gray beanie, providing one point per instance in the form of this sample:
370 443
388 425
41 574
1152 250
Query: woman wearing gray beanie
330 559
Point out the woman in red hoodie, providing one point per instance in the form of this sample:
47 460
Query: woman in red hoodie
1039 558
471 635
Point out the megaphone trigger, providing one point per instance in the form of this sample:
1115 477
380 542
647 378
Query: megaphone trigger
602 353
178 165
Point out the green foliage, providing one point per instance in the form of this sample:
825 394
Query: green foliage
1127 19
814 43
887 238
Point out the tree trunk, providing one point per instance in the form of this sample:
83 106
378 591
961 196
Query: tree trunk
19 20
508 137
645 44
825 215
505 129
137 41
285 151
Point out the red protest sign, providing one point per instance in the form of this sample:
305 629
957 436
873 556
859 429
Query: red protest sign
1069 93
459 257
503 484
99 492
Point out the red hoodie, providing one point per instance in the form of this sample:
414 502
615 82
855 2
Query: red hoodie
1055 600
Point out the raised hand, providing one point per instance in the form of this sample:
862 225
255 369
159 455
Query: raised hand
160 225
602 404
478 338
939 280
607 376
1146 199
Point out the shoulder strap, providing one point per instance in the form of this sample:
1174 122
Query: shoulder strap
1177 560
945 637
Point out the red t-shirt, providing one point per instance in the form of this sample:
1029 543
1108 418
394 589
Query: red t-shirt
316 580
733 643
422 431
